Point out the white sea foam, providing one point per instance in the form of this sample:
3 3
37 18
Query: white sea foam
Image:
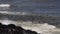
15 13
40 28
4 5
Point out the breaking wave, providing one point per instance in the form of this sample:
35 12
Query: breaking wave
40 28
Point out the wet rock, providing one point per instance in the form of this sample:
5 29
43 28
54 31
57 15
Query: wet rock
12 29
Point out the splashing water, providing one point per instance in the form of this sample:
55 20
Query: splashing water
40 28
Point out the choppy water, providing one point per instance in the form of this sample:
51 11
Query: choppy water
34 6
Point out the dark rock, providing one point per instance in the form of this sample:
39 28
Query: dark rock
12 29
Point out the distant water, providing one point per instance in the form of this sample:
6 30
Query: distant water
34 6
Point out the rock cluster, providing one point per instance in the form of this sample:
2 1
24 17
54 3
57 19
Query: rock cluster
12 29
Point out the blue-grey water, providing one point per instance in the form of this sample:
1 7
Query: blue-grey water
34 6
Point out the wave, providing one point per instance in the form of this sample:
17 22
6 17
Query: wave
4 5
44 28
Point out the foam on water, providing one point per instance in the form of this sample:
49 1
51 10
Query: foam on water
4 5
40 28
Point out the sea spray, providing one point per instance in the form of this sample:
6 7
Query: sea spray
40 28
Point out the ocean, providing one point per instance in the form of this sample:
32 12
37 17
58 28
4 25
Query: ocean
44 7
34 6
